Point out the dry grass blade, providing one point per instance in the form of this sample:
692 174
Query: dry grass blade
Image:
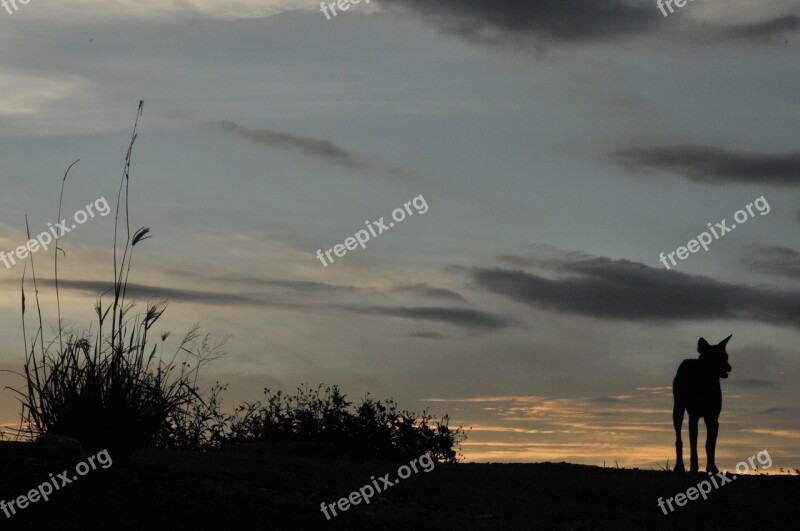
107 389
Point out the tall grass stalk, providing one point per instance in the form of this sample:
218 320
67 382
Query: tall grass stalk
109 390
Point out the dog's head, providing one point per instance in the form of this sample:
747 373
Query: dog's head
715 356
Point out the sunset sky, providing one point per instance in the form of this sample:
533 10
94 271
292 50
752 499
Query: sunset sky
560 146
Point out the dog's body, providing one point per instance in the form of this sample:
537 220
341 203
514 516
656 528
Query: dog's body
696 390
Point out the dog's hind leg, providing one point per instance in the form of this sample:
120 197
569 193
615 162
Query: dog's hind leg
712 429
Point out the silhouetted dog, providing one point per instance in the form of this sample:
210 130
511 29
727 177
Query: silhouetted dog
696 390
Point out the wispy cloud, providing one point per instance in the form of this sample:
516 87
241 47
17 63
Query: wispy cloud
634 429
324 150
773 259
455 316
578 429
792 411
25 94
714 165
767 31
298 286
142 291
302 296
753 383
427 335
149 9
789 434
425 290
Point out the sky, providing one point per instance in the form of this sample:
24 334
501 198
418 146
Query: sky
558 147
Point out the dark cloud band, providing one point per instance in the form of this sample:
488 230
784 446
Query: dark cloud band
510 22
714 165
602 288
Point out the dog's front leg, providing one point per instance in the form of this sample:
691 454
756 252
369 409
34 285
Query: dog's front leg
693 465
677 422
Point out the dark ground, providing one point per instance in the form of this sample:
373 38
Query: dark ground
273 488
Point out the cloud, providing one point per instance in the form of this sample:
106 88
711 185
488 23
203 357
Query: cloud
324 150
174 9
773 259
767 31
424 290
465 318
460 317
514 22
752 383
602 400
505 21
316 289
789 434
551 428
428 335
777 411
297 286
141 291
25 94
714 165
603 288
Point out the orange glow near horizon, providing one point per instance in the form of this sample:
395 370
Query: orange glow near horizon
631 430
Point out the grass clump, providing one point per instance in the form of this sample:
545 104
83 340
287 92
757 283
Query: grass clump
112 388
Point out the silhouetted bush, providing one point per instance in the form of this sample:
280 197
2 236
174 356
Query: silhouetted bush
373 428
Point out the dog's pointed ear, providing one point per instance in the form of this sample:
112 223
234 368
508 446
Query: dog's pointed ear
702 345
725 341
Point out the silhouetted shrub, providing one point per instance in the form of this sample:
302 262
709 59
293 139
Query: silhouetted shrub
373 428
